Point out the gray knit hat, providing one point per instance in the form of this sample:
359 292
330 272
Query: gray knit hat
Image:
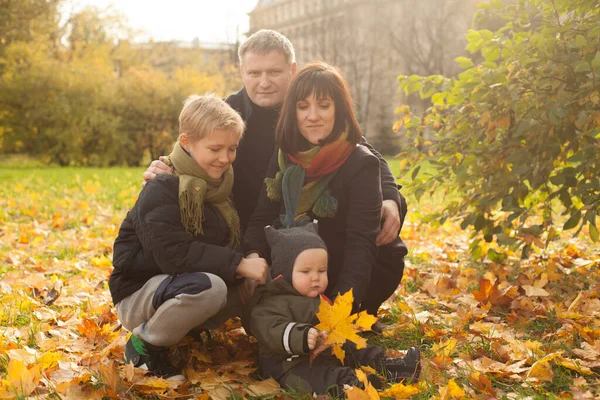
287 244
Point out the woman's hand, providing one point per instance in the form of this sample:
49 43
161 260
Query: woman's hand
253 268
391 223
157 167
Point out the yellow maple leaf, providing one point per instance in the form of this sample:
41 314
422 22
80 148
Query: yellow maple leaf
341 326
401 391
574 365
445 348
369 393
452 391
21 379
49 359
541 369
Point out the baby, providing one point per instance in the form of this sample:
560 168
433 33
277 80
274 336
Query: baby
282 315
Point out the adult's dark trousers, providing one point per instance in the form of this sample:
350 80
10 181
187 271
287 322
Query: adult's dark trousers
385 276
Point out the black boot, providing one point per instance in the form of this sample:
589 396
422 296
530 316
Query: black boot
407 367
150 357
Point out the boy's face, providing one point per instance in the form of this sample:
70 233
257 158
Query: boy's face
309 276
215 152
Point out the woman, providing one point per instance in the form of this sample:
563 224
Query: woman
323 172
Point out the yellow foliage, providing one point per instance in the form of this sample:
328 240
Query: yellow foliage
452 391
369 393
336 319
21 380
541 370
401 391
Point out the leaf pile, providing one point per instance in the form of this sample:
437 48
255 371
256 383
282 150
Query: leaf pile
508 327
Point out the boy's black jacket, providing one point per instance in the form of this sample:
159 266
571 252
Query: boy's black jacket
152 241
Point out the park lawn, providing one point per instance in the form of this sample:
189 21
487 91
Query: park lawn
507 328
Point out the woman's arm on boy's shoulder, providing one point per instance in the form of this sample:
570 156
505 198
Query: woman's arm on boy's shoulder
158 225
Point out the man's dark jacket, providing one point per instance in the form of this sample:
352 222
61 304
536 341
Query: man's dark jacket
152 241
258 146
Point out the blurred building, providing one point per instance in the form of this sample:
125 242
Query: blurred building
372 42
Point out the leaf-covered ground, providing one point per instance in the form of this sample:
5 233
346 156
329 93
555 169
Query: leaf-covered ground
505 329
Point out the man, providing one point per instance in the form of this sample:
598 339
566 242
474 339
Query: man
267 65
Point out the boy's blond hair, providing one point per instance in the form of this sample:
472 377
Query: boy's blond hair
201 115
266 41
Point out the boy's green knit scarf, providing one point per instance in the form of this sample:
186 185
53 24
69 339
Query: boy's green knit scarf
196 188
303 178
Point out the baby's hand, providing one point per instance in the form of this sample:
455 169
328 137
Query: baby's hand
313 334
319 346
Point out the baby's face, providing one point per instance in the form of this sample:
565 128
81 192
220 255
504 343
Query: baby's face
309 276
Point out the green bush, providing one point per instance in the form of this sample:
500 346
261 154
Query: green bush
517 131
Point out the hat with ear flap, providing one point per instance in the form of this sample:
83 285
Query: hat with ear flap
286 244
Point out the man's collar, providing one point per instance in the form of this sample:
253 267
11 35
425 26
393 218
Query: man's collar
248 106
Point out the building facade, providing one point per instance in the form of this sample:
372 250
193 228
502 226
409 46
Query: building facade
372 42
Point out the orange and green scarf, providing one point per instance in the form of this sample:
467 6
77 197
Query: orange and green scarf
303 178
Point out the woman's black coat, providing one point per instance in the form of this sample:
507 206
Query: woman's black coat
349 235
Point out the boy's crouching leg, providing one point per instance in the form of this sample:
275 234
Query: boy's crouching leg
182 303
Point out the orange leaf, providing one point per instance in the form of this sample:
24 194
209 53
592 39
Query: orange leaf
481 382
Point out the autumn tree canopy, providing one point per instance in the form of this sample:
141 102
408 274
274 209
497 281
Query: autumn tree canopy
517 133
84 93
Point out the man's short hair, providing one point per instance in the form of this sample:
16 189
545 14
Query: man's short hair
201 115
264 42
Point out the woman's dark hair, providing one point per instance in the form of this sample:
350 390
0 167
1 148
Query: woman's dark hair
324 81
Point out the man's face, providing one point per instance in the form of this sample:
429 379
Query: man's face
267 77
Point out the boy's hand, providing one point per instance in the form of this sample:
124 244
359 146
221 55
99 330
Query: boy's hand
157 167
253 268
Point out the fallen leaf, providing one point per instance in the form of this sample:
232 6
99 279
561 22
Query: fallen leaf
532 291
401 391
541 370
369 393
21 379
341 325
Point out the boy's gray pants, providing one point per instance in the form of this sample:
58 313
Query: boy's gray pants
166 308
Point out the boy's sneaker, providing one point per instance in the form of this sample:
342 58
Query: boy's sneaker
407 367
146 356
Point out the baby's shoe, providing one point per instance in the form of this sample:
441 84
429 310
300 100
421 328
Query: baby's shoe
407 367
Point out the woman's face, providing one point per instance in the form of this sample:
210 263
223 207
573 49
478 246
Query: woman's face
315 117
